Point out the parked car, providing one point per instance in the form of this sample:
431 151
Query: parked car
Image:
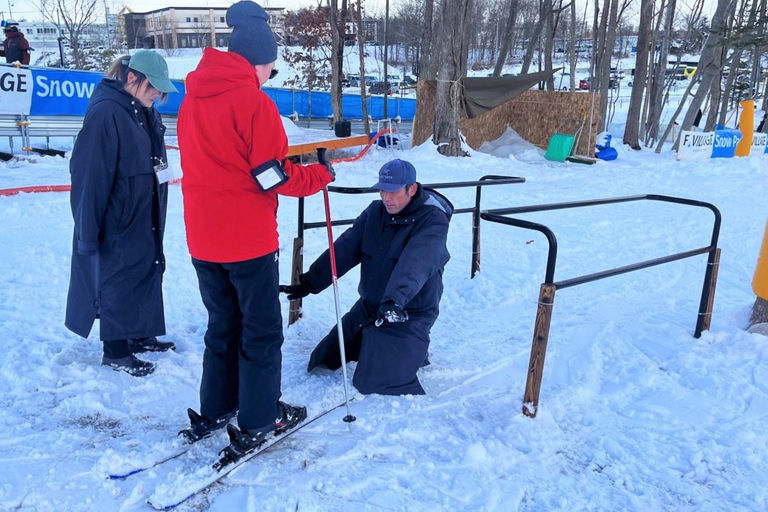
585 84
378 88
354 80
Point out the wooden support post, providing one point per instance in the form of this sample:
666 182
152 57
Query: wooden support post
538 350
711 299
475 244
294 309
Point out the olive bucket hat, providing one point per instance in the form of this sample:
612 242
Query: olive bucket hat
155 69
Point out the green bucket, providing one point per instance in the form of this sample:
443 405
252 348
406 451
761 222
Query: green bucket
559 147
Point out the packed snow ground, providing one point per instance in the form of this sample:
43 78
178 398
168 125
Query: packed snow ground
635 413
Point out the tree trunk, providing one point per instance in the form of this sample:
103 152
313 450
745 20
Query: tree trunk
361 54
508 38
632 128
545 9
572 48
707 62
727 90
447 105
659 79
549 43
337 55
426 41
603 75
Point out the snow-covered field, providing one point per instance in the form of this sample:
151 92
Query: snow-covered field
635 413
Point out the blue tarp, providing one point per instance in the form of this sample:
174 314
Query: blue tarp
59 92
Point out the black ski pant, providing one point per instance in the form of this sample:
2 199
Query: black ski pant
242 360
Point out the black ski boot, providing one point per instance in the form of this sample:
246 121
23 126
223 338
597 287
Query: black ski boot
244 441
202 427
151 344
129 364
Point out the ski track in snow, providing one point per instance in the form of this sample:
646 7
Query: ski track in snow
635 413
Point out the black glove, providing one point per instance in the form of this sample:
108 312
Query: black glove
390 312
330 169
297 291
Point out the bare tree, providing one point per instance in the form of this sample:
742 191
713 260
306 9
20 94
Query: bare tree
72 17
707 70
313 60
448 103
202 34
632 128
338 22
362 54
507 40
427 43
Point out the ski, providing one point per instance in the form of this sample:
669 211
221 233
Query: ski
174 453
168 496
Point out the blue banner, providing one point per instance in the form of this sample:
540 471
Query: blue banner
58 92
725 142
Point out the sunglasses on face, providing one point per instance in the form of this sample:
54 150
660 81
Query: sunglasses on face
273 74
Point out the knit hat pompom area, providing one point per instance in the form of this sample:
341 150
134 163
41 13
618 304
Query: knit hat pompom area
251 36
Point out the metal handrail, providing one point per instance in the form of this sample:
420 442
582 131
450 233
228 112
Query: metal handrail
497 215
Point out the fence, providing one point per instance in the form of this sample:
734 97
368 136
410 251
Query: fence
298 242
548 288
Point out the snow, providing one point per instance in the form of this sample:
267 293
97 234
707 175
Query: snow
635 413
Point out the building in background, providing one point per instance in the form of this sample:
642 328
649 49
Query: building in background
186 27
38 32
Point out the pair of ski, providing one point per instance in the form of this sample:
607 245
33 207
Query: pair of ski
170 495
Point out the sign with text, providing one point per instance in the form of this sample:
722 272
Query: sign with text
725 143
758 144
695 145
15 90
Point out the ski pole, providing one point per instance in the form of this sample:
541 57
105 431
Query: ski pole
348 418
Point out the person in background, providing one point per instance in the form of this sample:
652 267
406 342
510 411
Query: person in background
15 46
119 200
400 244
233 152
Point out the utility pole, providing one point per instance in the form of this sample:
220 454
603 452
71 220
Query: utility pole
10 12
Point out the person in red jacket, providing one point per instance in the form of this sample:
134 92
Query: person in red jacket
233 155
15 47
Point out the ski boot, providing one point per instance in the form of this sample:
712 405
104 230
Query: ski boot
202 427
242 442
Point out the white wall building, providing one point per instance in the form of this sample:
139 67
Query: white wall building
187 27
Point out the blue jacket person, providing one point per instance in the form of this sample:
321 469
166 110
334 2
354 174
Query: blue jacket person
400 244
119 200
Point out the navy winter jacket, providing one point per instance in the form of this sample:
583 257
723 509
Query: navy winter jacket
119 211
401 256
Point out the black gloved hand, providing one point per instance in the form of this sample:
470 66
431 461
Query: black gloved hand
330 169
390 312
297 291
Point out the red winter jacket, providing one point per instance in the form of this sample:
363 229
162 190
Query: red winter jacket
226 127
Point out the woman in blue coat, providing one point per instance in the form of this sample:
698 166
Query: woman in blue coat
119 202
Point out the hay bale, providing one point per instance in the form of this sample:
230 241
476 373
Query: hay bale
534 115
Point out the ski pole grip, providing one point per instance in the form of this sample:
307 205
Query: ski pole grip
321 155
